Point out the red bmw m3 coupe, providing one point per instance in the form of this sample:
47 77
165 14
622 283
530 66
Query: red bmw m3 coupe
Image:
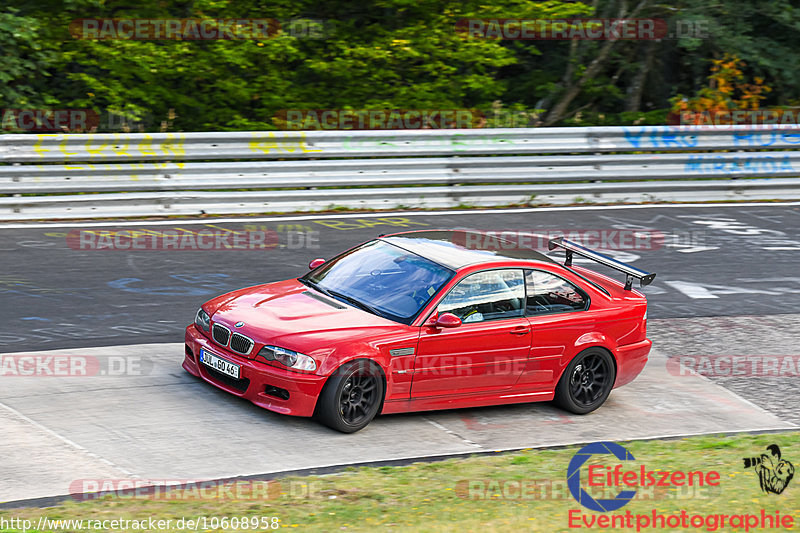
426 320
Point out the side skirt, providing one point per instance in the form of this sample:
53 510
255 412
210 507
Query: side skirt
462 401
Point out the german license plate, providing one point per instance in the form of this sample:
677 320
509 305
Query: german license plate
219 364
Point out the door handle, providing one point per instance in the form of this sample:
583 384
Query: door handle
520 330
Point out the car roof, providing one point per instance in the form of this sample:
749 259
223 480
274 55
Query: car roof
456 249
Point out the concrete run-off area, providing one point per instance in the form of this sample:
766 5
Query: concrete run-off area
139 415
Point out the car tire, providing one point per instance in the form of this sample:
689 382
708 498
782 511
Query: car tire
351 397
586 382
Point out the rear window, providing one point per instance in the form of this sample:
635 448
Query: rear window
548 293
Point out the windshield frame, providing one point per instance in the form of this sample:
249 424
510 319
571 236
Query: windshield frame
307 280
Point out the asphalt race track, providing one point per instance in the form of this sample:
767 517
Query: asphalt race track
728 285
714 261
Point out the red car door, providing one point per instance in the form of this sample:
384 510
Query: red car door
558 315
489 350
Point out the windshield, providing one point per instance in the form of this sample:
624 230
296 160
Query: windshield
382 278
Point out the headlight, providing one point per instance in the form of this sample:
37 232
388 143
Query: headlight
296 360
202 320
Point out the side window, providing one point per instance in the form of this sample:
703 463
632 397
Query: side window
488 295
548 293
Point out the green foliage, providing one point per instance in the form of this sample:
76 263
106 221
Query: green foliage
24 57
384 54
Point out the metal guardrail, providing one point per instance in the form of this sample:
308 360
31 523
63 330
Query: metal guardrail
192 173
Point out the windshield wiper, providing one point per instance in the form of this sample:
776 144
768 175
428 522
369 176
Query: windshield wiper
357 303
339 295
315 286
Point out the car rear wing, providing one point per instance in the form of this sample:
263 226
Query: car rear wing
631 272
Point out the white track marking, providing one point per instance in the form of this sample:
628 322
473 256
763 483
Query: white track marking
381 214
451 432
692 290
72 444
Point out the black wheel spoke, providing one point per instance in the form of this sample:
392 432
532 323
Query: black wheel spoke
358 397
351 398
590 379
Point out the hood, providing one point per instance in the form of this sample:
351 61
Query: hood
294 316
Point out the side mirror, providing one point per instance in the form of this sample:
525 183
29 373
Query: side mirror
447 320
315 263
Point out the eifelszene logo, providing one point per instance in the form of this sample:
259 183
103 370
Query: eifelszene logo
574 477
609 479
774 473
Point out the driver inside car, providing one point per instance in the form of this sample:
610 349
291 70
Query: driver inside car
481 296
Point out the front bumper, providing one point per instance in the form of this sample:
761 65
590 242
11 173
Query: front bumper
255 379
